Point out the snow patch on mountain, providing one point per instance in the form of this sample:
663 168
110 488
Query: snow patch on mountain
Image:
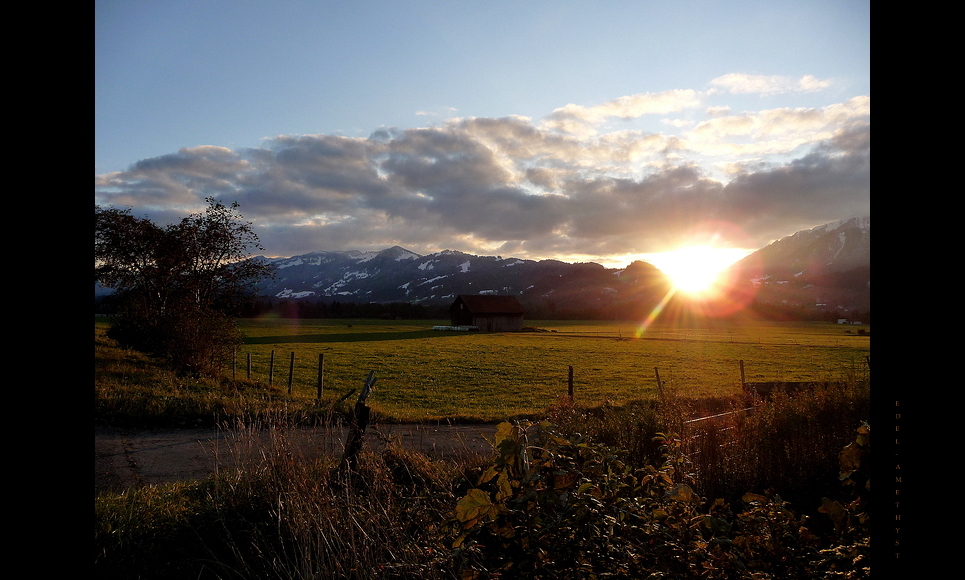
430 280
288 293
407 255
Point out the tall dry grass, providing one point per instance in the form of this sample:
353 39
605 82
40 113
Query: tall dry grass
285 511
789 444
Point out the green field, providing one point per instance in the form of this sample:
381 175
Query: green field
427 374
277 516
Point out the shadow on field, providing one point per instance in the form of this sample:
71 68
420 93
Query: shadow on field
360 336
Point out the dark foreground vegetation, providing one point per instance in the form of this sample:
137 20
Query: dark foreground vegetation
629 491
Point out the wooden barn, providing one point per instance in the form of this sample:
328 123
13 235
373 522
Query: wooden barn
488 312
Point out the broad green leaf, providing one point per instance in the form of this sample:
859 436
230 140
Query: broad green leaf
565 479
505 430
850 459
475 504
488 474
681 492
462 538
835 511
505 488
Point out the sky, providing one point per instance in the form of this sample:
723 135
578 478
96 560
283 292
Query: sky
598 131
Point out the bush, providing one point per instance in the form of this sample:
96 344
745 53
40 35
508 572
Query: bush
551 506
565 508
196 342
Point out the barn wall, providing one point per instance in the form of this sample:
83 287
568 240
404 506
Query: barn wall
462 318
499 323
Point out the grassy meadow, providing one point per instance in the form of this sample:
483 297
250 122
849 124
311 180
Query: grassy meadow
425 374
749 495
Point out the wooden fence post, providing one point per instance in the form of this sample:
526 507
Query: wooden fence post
570 384
321 374
360 419
271 368
291 372
249 366
656 371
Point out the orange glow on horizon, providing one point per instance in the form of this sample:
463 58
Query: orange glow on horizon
696 270
701 288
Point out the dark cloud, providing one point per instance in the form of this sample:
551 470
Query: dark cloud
505 186
831 183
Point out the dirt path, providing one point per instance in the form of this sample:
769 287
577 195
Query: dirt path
126 458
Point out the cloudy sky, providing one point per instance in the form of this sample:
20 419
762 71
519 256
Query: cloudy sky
542 129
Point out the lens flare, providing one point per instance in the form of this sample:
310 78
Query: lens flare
704 281
695 270
655 313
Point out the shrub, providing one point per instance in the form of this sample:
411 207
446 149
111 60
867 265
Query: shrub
563 507
551 506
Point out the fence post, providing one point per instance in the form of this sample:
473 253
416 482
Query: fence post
321 374
249 366
271 368
360 419
743 381
656 371
570 384
291 372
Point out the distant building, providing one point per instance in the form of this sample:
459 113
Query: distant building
490 313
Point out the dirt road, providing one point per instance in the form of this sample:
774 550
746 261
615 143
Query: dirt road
126 458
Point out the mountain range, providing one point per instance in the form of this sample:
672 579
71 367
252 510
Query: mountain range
824 268
827 268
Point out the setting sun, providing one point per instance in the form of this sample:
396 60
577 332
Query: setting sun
694 270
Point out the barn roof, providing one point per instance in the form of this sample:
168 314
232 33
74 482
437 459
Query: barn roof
489 304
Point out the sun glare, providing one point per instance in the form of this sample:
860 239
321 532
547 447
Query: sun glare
695 270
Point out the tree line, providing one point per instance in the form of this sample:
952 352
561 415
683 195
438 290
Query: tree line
329 308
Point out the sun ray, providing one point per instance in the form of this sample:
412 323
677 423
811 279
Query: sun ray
700 285
695 270
655 313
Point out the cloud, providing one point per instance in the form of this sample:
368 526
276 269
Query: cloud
580 120
174 179
514 186
739 83
774 131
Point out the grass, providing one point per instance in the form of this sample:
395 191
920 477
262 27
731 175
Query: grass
284 514
429 375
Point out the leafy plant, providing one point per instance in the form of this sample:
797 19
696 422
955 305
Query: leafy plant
551 506
556 506
851 553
